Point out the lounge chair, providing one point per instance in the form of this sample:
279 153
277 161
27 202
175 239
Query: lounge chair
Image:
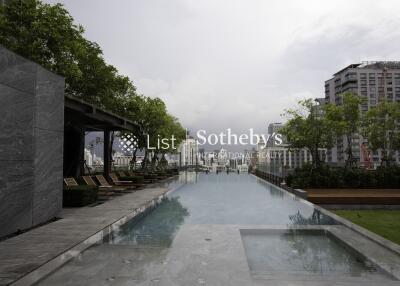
146 181
103 192
70 182
115 180
122 174
130 174
118 188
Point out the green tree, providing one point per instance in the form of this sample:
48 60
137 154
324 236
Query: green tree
158 124
381 127
46 34
308 128
345 119
154 121
172 127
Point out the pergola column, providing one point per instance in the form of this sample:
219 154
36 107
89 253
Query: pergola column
106 153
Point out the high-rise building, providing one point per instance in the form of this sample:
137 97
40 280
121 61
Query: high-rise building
274 127
370 80
189 152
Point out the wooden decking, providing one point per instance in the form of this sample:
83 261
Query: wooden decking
354 196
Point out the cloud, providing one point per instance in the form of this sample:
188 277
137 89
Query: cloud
237 64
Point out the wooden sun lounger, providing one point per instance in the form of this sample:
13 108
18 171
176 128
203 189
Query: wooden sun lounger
122 174
70 182
103 192
104 184
130 174
146 181
117 182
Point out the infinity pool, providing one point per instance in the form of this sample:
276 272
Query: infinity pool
219 199
199 224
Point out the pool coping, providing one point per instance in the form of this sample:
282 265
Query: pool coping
359 229
39 273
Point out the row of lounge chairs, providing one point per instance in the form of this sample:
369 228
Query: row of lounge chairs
116 186
105 189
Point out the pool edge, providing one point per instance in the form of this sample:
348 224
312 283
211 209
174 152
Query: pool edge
359 229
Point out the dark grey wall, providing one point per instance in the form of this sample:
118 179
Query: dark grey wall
31 143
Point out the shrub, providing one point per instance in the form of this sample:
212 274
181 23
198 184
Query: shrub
79 196
289 179
339 177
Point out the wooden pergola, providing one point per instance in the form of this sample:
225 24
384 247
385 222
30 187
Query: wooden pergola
81 116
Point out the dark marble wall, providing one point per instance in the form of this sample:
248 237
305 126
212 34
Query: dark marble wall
31 143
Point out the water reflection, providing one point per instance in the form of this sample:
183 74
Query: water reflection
156 228
318 253
276 193
190 177
316 218
301 252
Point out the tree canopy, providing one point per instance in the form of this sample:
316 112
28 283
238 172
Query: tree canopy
381 128
308 128
345 120
47 35
313 127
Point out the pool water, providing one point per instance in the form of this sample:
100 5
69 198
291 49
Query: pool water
302 254
193 225
239 199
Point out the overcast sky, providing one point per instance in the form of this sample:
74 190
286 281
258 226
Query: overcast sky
237 64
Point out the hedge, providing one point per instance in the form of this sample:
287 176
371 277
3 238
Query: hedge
340 177
79 196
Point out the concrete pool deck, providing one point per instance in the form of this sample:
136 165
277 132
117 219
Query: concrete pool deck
22 254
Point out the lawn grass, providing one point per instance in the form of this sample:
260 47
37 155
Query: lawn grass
385 223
